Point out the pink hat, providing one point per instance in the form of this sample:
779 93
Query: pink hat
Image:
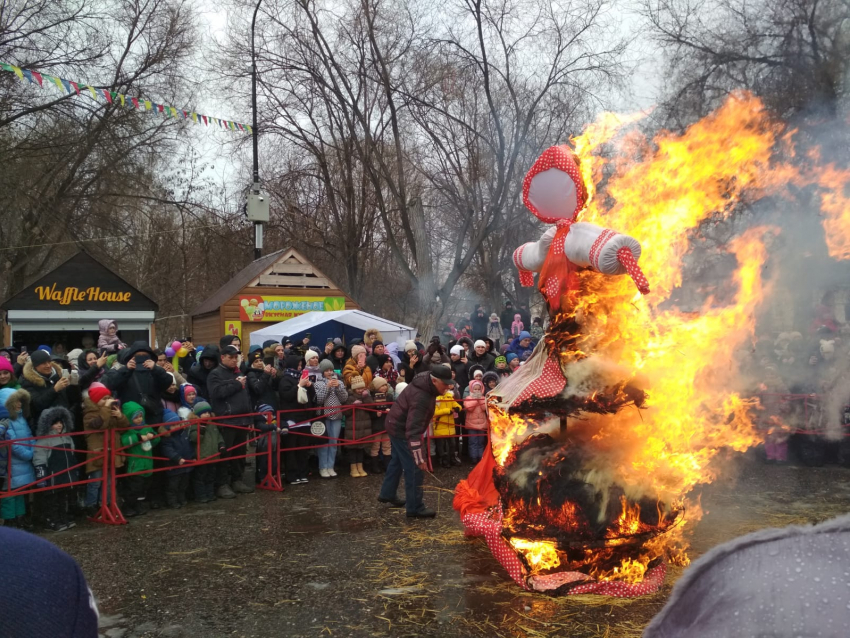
6 365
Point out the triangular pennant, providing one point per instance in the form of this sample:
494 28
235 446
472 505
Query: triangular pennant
57 82
6 66
205 120
67 85
91 90
121 96
173 111
76 86
195 117
28 75
160 107
107 95
37 76
148 105
249 129
135 102
18 72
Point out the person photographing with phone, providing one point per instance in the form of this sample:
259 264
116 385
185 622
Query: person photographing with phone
229 396
406 424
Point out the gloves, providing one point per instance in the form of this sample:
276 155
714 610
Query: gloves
416 448
40 473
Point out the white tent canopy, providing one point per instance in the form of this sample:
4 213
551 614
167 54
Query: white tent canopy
343 324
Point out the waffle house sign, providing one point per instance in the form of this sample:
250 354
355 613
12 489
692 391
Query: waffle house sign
65 296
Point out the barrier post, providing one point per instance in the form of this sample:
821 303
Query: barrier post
271 481
109 512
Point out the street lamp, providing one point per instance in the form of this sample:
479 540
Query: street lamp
258 201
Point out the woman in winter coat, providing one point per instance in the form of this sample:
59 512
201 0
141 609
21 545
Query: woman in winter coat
412 362
356 366
339 357
370 337
14 404
358 426
261 381
91 367
331 393
476 420
494 328
100 413
296 418
53 464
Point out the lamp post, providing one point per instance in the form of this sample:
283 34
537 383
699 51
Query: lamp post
258 201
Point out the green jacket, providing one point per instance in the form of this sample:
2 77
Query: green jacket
141 459
211 439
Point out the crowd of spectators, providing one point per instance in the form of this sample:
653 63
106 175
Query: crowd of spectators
161 407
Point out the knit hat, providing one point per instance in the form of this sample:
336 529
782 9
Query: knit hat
325 365
494 316
377 342
39 356
480 343
254 355
436 358
477 367
6 365
501 360
255 348
356 350
110 361
75 354
45 349
510 356
271 343
457 350
410 345
200 407
173 378
476 383
478 374
524 335
35 566
378 383
401 385
357 382
97 391
310 355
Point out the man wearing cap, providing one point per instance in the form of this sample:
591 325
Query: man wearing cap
229 396
43 379
406 424
481 357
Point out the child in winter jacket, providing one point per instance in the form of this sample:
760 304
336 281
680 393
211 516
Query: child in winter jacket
444 425
358 426
331 393
212 445
14 404
100 413
108 340
266 422
7 375
179 451
139 442
53 460
517 326
188 399
490 381
502 368
381 393
476 420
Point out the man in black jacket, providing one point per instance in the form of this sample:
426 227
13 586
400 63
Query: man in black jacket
44 381
140 380
198 373
479 320
481 357
406 424
229 396
506 319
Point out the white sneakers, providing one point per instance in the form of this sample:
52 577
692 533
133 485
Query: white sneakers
324 474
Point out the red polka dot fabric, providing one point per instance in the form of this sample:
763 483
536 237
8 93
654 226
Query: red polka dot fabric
550 382
526 277
489 525
625 256
560 157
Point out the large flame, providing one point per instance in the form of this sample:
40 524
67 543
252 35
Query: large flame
660 192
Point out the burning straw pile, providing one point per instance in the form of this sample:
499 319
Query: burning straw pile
591 482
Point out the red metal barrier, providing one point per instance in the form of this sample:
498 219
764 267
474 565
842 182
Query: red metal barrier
110 513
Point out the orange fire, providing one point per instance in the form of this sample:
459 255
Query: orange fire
660 192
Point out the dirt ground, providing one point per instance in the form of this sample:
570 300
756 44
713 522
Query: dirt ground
324 559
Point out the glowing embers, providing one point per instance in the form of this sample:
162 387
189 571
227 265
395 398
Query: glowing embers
559 514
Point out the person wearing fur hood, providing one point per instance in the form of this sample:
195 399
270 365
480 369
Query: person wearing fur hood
42 378
356 366
53 464
14 406
370 337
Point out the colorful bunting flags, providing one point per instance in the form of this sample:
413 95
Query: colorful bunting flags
113 97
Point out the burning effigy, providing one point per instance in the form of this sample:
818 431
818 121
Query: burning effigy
622 409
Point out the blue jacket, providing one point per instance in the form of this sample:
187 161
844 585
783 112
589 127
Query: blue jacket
518 349
176 445
14 427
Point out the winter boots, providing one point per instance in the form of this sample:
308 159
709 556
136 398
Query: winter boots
357 470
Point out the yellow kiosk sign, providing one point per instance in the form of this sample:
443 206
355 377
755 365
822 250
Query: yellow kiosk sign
266 308
70 294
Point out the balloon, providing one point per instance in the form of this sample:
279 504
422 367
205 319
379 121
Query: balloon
182 352
169 352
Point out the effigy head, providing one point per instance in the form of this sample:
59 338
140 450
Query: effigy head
553 189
